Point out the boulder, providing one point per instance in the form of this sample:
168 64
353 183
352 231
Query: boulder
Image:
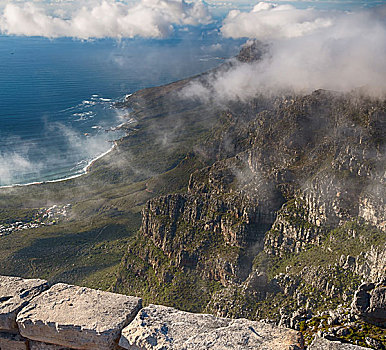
15 293
77 317
320 343
369 303
161 327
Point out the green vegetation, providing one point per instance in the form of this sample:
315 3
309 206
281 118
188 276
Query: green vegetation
86 247
350 239
214 246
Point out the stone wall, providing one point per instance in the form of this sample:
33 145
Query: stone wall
37 316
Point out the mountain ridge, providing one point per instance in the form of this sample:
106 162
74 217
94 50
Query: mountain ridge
271 208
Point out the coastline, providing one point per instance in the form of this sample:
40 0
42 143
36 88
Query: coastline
84 171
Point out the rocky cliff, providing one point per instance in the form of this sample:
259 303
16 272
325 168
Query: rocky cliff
270 209
286 221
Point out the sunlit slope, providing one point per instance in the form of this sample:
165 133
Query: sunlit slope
86 246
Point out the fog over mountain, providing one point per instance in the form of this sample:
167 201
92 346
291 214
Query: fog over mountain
303 50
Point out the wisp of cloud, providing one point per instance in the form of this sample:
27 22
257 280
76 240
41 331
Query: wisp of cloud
108 18
309 49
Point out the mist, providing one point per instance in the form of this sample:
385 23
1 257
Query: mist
28 163
302 50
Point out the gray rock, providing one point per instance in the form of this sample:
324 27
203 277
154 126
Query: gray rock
323 344
37 345
161 327
12 342
350 262
15 293
77 317
369 303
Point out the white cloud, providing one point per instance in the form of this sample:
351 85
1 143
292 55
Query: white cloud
308 50
148 18
271 21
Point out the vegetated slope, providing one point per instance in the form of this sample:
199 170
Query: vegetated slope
285 225
272 208
86 245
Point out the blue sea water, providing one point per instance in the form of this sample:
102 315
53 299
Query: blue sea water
56 95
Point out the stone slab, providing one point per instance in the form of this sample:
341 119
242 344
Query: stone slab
10 341
37 345
15 293
77 317
161 327
320 343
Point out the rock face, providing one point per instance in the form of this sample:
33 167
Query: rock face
252 51
370 303
12 342
286 220
324 344
15 293
37 345
76 317
160 327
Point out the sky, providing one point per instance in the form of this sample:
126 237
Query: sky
85 19
306 45
304 49
337 45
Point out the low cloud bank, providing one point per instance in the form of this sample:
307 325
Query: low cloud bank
307 49
28 162
13 164
271 21
148 18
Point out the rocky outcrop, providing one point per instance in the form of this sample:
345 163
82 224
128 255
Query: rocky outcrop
205 221
253 50
371 265
372 206
369 303
77 317
160 327
292 231
15 293
320 343
286 220
66 317
11 341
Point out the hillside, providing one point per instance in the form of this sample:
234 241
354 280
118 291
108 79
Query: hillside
272 208
86 245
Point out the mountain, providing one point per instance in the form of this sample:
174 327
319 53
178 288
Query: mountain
271 208
287 223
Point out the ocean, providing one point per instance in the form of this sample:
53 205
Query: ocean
56 96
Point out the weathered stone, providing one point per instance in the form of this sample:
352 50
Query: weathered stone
320 343
15 293
12 342
161 327
37 345
77 317
377 309
370 304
